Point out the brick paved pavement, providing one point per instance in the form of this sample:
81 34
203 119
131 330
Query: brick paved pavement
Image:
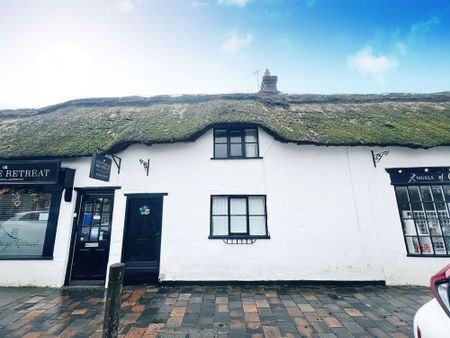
210 311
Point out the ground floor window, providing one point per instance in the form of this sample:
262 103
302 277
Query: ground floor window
238 216
423 198
27 221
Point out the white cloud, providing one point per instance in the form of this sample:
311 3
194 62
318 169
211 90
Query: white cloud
235 43
400 48
240 3
368 64
127 6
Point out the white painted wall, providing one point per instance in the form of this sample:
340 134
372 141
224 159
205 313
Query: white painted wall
331 214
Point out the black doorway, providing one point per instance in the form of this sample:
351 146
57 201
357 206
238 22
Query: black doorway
91 237
142 238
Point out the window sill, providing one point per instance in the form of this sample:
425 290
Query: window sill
236 158
24 258
239 237
428 256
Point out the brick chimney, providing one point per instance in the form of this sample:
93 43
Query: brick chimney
269 83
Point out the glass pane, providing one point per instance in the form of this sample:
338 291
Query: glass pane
220 225
87 219
106 205
251 150
425 244
24 214
405 210
409 227
442 208
84 234
437 193
447 243
238 206
236 150
220 151
422 226
414 195
88 207
426 193
250 135
413 245
238 224
96 219
256 205
417 206
257 225
220 136
220 205
446 192
402 194
235 136
445 224
434 227
105 219
439 246
98 204
94 234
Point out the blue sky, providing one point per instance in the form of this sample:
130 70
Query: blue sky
52 51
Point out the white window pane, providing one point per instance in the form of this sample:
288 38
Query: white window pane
413 245
238 206
256 205
238 224
235 136
236 149
251 150
250 135
220 205
220 151
220 136
257 225
220 225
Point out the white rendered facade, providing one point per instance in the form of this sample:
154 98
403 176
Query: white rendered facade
331 214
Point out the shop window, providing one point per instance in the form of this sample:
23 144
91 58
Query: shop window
424 212
240 216
27 222
236 143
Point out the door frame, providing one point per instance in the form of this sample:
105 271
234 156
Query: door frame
127 210
76 216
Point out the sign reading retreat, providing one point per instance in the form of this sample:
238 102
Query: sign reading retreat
29 172
100 167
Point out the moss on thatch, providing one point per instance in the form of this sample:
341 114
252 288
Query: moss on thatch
77 128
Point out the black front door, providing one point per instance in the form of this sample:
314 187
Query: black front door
92 237
142 238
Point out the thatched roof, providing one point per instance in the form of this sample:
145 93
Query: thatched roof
77 128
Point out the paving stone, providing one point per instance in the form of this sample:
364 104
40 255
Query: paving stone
210 311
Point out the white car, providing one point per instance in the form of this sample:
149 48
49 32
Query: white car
432 320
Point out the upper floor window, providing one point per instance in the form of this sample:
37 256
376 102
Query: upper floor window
238 216
236 143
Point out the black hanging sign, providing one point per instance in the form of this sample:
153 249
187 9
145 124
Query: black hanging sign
100 167
417 176
29 172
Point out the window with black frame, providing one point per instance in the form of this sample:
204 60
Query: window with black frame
424 212
238 216
236 143
27 222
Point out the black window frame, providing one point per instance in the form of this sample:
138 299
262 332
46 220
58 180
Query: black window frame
243 142
437 220
52 224
236 235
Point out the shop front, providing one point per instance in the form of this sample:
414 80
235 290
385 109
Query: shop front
30 197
